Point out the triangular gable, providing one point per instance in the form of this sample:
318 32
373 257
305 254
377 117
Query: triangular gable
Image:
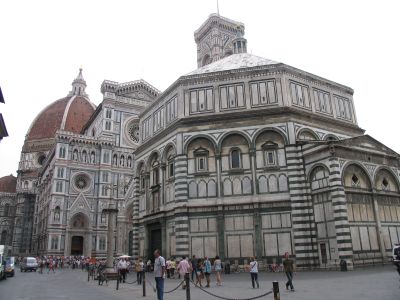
80 203
367 142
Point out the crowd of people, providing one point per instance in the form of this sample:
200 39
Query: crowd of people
199 269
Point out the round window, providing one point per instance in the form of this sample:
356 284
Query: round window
41 158
133 131
82 182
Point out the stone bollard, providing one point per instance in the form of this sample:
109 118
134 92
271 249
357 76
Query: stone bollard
275 287
144 283
187 281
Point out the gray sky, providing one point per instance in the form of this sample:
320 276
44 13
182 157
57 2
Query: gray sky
43 44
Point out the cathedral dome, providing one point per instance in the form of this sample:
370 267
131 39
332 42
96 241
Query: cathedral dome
70 113
8 184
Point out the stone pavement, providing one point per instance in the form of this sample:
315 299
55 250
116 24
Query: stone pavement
366 284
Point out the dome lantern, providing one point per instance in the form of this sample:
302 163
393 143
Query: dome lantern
78 85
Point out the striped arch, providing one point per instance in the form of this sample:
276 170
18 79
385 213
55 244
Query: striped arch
348 164
390 171
261 131
200 136
227 134
309 131
170 145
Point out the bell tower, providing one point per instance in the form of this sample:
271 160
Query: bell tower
217 38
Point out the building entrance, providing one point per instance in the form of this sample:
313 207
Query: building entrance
77 245
155 241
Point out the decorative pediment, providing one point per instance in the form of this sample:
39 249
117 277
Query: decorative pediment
269 145
80 204
367 142
200 151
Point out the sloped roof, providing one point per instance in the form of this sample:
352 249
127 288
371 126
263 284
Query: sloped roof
232 62
367 142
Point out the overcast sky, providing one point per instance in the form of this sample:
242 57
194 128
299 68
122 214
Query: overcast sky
43 44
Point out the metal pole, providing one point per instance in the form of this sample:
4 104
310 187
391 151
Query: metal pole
88 275
144 283
275 287
187 286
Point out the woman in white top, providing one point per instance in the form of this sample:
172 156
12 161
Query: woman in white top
218 269
254 272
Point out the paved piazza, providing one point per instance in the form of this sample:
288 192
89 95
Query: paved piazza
369 283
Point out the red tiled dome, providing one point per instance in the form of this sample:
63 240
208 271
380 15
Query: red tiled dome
70 114
8 184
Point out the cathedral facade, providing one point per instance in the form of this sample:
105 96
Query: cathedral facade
242 157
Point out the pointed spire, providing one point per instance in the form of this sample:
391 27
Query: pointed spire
78 85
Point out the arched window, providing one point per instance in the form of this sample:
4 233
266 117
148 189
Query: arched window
156 177
6 209
235 159
61 152
57 213
201 156
26 184
270 155
171 169
3 239
142 181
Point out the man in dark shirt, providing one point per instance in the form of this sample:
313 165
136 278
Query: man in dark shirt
193 262
288 267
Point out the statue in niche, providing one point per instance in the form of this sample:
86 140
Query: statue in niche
84 157
115 160
122 161
92 157
129 162
75 155
57 215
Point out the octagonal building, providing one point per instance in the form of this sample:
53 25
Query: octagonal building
247 157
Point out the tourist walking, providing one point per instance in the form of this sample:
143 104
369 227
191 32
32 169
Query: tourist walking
193 261
183 268
218 269
199 272
207 270
173 267
254 272
122 268
51 266
288 267
139 268
159 274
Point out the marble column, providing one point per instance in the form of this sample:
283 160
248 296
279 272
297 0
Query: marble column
111 212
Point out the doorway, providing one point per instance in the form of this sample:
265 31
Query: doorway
155 241
77 245
323 253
